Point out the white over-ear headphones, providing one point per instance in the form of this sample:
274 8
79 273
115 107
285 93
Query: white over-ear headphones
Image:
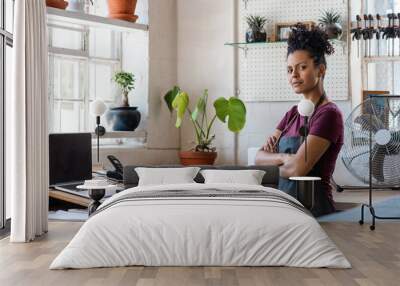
305 108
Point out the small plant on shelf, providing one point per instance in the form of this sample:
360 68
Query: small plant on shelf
330 23
126 82
124 117
256 31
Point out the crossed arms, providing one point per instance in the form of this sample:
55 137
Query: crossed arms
292 164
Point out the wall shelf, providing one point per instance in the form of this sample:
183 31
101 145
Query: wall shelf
72 17
246 46
243 45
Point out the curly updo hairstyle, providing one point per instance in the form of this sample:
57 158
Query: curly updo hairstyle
314 40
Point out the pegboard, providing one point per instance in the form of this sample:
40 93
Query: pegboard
262 68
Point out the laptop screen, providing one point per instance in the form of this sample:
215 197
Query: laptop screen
70 157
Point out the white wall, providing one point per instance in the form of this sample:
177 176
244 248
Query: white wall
163 139
355 60
162 73
204 61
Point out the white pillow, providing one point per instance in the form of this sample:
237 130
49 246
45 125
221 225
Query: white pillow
248 177
166 176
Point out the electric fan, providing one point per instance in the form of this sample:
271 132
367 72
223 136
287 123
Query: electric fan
371 149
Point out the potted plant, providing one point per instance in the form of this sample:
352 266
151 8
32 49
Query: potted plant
232 111
256 32
124 117
126 82
60 4
122 9
330 23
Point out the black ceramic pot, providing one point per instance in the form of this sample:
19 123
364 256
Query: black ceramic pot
123 118
334 31
255 36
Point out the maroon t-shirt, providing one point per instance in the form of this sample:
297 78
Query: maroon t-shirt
326 122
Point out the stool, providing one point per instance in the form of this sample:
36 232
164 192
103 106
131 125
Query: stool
305 190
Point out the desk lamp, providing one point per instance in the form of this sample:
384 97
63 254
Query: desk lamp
97 108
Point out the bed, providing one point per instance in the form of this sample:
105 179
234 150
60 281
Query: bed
198 224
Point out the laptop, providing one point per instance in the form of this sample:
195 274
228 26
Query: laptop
70 160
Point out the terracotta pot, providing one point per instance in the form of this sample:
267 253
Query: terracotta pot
122 9
189 158
125 17
60 4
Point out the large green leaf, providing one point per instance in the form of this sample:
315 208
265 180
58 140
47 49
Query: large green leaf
233 109
180 104
170 96
200 106
221 106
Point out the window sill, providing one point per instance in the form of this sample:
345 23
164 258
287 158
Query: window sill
58 15
121 134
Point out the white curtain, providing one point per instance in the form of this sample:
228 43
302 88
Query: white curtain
26 123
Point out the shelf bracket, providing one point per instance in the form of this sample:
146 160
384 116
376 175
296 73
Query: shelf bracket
244 49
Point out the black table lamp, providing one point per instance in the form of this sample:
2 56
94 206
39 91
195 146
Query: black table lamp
97 108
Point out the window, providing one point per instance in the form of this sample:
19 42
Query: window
382 75
81 65
6 43
82 62
381 7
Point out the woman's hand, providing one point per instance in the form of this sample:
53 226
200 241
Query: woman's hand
271 144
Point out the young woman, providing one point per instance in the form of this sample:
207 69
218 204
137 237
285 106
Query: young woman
306 68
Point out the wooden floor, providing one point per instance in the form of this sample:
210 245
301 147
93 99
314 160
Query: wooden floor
374 255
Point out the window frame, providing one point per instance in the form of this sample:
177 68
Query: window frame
6 39
376 60
77 55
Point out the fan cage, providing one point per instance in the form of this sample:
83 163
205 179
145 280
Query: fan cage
373 114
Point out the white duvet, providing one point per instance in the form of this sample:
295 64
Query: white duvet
200 231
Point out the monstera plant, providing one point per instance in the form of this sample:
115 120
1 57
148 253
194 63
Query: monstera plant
231 111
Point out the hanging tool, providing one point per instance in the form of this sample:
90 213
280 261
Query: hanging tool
389 33
357 32
378 32
398 30
394 32
365 33
371 32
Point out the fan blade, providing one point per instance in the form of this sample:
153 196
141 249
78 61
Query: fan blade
378 154
368 122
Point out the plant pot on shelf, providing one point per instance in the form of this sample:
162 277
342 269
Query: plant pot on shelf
123 118
76 5
334 30
256 36
190 158
60 4
122 9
